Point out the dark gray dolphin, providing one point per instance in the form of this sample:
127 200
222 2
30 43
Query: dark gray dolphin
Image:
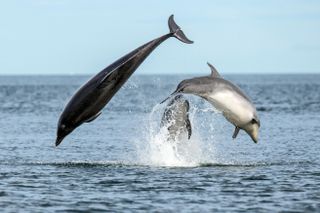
176 118
228 98
87 103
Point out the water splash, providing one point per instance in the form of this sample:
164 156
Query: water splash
155 148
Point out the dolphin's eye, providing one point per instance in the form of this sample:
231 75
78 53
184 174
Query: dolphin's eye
255 121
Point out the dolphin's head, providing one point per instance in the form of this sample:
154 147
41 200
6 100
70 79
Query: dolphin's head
252 128
64 129
190 86
184 87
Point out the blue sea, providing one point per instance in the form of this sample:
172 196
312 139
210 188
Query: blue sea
121 162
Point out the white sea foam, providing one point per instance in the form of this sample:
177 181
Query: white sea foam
154 148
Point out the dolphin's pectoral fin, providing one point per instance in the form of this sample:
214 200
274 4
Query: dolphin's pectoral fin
93 117
188 125
235 133
214 72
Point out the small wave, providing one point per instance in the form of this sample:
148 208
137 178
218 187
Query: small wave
87 164
255 164
160 164
113 164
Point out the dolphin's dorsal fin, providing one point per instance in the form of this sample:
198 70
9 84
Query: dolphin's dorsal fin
93 117
235 133
214 72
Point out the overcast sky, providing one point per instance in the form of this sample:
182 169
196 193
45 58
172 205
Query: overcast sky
83 37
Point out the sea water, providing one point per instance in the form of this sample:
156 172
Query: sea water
123 162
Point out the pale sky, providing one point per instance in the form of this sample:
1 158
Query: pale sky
82 37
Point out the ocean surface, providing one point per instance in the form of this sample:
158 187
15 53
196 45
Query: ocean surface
122 162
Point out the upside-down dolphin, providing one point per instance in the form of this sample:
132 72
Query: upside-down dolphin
228 98
87 103
176 118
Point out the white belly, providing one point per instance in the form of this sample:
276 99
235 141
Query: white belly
234 107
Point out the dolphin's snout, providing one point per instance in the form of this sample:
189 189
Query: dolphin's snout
255 139
254 133
59 140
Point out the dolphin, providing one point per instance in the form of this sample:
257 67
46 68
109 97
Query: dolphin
226 97
86 104
176 118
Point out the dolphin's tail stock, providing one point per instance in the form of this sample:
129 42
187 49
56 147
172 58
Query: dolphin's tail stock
177 32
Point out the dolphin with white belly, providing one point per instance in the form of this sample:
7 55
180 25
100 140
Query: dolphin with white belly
226 97
176 118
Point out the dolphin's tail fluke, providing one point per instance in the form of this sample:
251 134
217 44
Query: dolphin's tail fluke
177 32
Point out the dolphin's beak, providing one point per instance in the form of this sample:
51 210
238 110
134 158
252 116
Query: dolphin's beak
254 133
59 140
255 139
168 97
165 99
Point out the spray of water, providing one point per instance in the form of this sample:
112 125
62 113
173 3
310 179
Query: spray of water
155 149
